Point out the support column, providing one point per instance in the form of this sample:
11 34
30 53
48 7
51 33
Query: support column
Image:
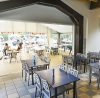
59 41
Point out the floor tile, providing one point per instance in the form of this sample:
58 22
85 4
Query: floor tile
11 91
14 95
26 96
10 87
31 90
96 96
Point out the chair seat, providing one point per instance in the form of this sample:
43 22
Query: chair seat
95 75
60 91
69 87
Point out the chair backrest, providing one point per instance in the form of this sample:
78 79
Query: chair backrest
73 72
64 58
27 69
95 70
45 89
37 81
47 59
63 67
92 56
23 64
70 60
13 54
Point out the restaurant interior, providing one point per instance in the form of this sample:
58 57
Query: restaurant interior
47 49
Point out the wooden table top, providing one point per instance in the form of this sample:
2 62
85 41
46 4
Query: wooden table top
57 77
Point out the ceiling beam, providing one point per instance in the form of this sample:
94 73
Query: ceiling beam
94 5
14 4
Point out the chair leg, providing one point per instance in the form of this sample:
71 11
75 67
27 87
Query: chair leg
22 73
28 79
41 95
63 95
98 81
10 60
36 92
25 76
67 92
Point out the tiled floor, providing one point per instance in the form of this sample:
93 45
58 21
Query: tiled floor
13 86
15 67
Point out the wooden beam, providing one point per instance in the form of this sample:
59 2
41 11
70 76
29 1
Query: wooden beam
14 4
94 5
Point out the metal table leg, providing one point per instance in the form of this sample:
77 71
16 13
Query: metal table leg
55 92
90 75
74 90
32 75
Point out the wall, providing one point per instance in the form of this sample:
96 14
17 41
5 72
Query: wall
16 26
91 23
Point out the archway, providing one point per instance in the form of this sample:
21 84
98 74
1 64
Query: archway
74 16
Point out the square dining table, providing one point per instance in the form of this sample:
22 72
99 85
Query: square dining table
57 78
32 67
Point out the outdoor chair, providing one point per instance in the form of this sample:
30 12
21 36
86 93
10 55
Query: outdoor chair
13 55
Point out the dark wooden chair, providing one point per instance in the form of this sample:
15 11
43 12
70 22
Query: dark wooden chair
81 61
93 57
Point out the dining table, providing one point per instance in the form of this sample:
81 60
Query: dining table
35 67
57 78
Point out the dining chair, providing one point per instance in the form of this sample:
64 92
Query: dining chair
37 82
23 67
96 73
49 92
93 56
64 58
80 62
47 60
70 60
63 67
73 72
13 55
69 69
28 72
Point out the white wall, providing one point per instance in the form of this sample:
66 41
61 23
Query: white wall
6 26
91 23
16 26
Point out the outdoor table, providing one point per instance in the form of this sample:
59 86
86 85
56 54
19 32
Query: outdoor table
57 78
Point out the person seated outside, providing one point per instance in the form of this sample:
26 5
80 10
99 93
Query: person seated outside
70 48
6 47
19 47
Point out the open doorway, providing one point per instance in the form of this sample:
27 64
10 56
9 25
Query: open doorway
59 18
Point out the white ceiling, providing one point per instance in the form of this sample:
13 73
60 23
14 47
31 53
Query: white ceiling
60 28
37 13
2 0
